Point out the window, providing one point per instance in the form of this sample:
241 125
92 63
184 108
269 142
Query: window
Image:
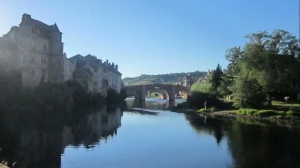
33 46
33 72
44 46
22 57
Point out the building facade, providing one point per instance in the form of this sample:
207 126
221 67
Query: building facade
96 76
39 51
35 50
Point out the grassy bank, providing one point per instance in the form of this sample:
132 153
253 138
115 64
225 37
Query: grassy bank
280 112
269 113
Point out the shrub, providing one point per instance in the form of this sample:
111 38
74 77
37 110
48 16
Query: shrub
123 94
247 93
197 99
292 114
112 96
265 113
211 109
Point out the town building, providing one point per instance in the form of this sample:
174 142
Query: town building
38 53
35 50
96 76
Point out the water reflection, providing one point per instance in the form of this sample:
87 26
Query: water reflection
253 145
36 141
152 103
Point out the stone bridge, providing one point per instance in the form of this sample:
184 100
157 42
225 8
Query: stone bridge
140 91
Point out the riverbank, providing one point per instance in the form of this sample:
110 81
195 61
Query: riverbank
248 119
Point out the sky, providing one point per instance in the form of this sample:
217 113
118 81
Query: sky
155 36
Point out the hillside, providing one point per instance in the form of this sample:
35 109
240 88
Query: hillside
171 78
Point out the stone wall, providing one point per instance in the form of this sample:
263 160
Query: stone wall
69 68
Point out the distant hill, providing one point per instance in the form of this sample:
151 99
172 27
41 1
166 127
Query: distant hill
171 78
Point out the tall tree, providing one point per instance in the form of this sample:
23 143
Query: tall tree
216 78
267 60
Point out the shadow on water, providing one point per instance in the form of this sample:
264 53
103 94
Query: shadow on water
37 139
252 145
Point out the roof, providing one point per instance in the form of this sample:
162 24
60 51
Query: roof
93 62
44 28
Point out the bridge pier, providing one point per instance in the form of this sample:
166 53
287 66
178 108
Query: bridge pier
172 94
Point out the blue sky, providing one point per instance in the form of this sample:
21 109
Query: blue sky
155 36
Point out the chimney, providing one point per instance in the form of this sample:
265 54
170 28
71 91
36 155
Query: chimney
116 67
25 17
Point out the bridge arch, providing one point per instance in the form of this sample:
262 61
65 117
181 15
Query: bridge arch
163 93
171 90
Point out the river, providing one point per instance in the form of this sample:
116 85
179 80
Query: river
149 136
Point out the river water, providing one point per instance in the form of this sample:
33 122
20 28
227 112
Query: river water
147 135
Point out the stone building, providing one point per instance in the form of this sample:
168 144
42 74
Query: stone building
39 49
88 72
95 75
35 50
188 81
9 55
111 77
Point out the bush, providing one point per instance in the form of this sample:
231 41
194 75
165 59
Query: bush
197 99
270 113
266 113
292 114
247 111
112 96
247 93
123 94
211 109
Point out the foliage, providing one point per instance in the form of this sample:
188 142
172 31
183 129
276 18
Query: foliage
225 88
267 64
248 93
204 87
270 113
45 96
171 78
216 78
154 95
197 99
211 109
123 94
112 96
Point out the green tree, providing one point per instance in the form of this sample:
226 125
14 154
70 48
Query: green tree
204 87
215 79
248 93
268 59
